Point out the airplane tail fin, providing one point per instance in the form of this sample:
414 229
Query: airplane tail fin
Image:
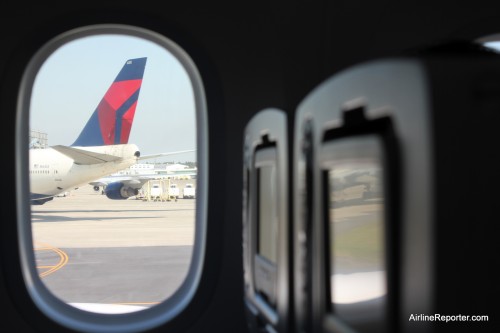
111 122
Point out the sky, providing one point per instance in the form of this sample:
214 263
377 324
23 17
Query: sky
73 80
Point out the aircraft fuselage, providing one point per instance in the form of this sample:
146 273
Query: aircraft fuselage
52 172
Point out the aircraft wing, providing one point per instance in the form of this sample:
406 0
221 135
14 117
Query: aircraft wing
145 157
85 157
135 181
100 182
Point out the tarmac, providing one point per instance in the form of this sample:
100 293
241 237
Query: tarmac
94 251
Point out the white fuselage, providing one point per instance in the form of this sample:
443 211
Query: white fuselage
52 172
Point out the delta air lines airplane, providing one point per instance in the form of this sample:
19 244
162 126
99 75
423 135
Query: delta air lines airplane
102 147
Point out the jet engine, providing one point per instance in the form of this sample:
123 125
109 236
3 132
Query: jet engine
119 191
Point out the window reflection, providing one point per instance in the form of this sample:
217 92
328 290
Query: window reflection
356 204
267 223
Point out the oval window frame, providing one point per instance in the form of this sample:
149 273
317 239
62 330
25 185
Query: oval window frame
47 302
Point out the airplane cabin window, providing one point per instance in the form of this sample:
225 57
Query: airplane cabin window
491 41
115 180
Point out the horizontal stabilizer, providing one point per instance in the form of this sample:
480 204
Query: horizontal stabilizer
85 157
145 157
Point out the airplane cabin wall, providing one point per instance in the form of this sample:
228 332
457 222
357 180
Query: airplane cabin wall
251 56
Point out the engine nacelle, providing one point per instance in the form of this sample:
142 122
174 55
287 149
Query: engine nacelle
119 191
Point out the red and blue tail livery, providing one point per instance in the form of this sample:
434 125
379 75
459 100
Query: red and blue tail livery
111 122
102 147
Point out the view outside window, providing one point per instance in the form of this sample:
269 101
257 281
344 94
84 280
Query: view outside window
113 173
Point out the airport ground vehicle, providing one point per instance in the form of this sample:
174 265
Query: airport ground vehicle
189 191
173 191
262 55
156 191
